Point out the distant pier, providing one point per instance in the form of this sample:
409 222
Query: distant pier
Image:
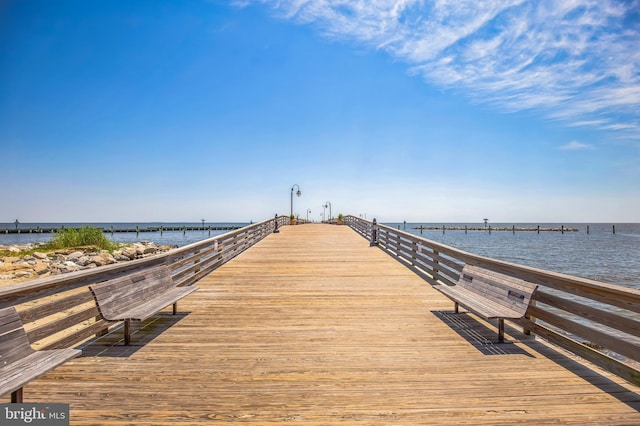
114 230
490 228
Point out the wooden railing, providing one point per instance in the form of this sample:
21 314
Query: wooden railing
59 311
597 321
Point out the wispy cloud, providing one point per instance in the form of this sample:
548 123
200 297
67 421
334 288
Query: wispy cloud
575 60
575 146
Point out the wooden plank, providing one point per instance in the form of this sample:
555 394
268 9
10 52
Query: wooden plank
588 334
149 307
78 336
55 306
314 326
53 327
609 318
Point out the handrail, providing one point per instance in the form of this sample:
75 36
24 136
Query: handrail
597 321
59 311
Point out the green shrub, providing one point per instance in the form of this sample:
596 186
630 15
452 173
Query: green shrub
79 237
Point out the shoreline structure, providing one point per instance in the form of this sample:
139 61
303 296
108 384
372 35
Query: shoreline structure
112 230
490 228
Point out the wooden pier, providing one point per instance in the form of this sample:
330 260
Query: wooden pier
312 325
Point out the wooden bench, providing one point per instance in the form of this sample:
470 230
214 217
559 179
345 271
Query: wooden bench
138 296
490 295
19 362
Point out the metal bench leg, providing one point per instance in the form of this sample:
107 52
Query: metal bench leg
455 307
175 308
500 330
127 332
16 396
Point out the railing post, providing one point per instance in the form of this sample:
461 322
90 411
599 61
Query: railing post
531 318
275 228
374 233
436 270
196 262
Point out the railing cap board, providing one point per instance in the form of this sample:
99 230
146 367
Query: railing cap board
8 294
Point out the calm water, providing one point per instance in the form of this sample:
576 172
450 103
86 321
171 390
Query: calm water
600 255
172 238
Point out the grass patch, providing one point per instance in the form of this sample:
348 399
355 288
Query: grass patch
86 238
80 237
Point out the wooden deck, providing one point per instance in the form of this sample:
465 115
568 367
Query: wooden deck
313 325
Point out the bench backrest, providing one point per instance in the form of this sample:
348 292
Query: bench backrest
120 294
14 343
510 292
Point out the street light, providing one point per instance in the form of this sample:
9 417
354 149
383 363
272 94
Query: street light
308 211
299 193
328 203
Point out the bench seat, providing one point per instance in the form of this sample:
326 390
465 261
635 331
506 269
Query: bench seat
490 295
483 307
149 307
19 362
138 296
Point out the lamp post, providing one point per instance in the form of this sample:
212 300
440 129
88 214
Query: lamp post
328 204
299 193
308 211
324 206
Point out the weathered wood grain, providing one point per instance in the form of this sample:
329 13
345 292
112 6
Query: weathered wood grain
312 325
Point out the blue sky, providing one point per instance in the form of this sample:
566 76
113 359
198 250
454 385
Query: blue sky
448 110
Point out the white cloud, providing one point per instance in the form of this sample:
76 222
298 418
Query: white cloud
577 60
575 146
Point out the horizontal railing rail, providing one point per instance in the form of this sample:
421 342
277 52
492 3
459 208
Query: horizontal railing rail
597 321
59 311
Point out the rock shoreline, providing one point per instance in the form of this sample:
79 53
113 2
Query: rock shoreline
40 264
